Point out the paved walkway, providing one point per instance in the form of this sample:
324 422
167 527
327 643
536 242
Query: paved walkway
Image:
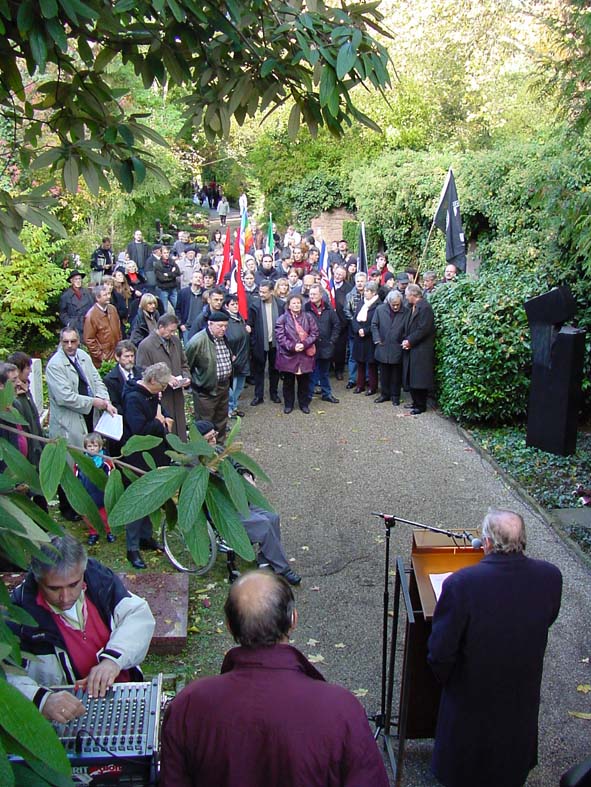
332 468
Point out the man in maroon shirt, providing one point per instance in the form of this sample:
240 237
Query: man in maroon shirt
269 718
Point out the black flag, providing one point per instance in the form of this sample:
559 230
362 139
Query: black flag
447 219
362 249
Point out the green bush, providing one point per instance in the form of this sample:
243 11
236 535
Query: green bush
482 346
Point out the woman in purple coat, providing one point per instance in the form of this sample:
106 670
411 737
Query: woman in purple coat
295 334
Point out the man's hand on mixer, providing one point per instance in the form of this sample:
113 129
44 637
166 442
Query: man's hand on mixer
101 678
63 707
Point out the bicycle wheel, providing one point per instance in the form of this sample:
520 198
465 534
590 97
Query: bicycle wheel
177 552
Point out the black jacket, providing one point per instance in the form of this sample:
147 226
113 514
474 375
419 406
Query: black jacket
328 329
139 418
238 340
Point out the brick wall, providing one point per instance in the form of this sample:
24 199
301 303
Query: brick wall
328 226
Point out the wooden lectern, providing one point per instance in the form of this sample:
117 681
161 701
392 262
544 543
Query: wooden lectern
432 553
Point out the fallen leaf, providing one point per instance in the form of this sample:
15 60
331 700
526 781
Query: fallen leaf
318 659
584 688
293 518
359 692
168 621
578 715
211 586
219 630
349 482
395 451
292 559
340 645
305 548
585 660
320 412
317 469
315 588
193 629
312 643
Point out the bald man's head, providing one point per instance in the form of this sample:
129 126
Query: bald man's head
260 610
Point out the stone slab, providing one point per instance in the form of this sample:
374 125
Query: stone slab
168 597
580 517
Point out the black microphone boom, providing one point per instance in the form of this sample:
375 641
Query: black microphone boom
390 520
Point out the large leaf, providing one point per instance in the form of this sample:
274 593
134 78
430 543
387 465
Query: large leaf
36 513
191 448
51 467
147 494
197 538
256 498
11 513
196 438
79 498
23 722
345 59
6 774
95 475
244 459
235 486
140 443
227 522
192 496
20 467
113 490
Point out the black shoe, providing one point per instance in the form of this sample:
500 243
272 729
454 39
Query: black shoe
135 559
239 413
93 539
256 400
331 398
276 399
71 515
111 537
381 399
151 543
350 385
305 409
288 410
416 411
359 390
396 402
338 375
370 392
292 577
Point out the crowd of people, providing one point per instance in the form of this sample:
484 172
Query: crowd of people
170 322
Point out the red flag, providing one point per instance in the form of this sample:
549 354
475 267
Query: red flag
241 292
226 265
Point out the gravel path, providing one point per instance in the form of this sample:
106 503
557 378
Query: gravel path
332 468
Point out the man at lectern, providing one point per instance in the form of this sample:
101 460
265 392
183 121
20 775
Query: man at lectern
90 630
490 630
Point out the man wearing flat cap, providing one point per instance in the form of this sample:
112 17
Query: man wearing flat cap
210 361
75 302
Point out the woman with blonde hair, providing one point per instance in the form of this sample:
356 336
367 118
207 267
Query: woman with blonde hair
281 289
146 319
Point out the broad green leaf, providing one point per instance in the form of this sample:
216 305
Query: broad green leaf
197 538
192 496
256 497
95 475
38 48
21 513
227 521
6 773
79 498
20 467
90 176
51 467
71 174
140 443
147 494
345 59
202 447
244 459
235 486
149 460
23 722
48 8
234 432
113 490
36 513
25 18
294 121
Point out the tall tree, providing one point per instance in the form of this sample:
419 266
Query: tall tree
230 59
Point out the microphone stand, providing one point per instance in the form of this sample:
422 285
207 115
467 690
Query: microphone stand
383 719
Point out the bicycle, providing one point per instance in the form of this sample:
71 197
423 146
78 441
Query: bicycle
177 551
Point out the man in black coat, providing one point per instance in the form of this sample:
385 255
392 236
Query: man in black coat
75 302
139 251
489 635
387 330
341 289
419 345
115 381
262 318
189 305
328 331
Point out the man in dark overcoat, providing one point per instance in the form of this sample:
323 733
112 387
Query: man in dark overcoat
490 630
387 330
262 318
164 346
419 345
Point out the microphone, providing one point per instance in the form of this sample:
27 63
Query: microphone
476 543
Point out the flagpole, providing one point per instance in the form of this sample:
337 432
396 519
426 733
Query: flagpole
422 260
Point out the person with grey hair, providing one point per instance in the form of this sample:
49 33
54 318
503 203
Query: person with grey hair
286 725
102 327
429 283
352 301
363 345
90 631
144 414
418 360
487 644
387 331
